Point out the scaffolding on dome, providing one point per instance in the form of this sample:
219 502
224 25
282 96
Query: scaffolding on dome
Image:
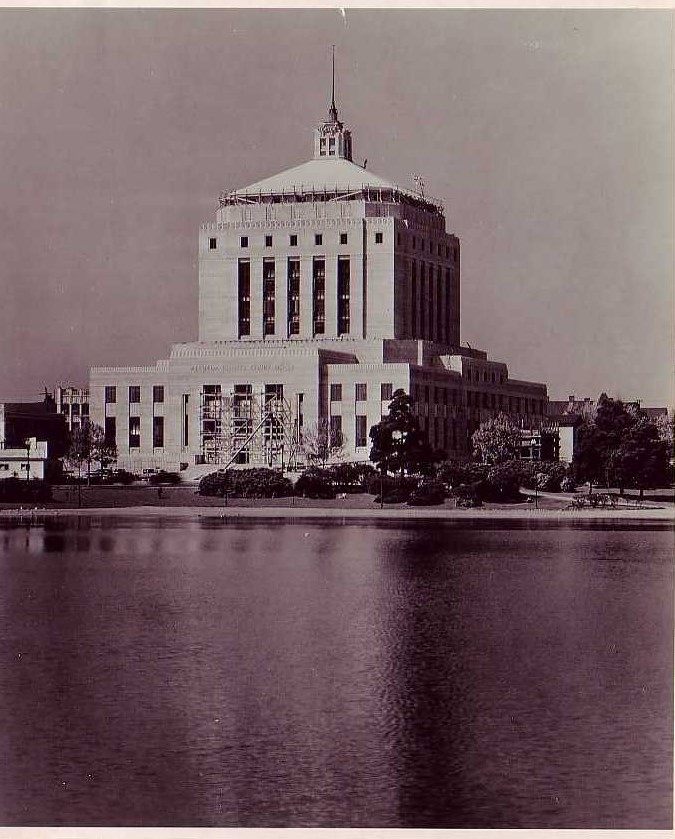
244 428
307 193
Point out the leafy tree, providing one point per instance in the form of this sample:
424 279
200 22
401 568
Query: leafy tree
620 445
641 459
321 442
497 440
398 443
88 445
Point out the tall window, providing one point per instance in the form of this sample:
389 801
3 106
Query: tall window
158 432
360 431
186 419
423 297
134 394
343 238
293 296
110 430
343 296
386 391
244 297
336 393
430 297
158 393
361 392
268 296
440 332
212 244
134 432
336 430
413 293
319 297
448 307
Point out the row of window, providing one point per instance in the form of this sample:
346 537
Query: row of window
269 323
134 394
421 245
360 429
474 374
361 392
293 240
427 315
511 404
75 409
110 430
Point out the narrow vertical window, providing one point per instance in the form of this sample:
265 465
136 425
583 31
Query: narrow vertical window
158 393
378 239
134 394
186 418
430 287
293 297
110 431
212 244
268 296
110 395
440 332
360 436
449 335
319 296
361 392
134 432
244 297
413 294
158 432
343 319
423 297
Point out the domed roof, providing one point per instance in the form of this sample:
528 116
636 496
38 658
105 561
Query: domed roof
315 175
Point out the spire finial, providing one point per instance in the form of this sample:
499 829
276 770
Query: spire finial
333 109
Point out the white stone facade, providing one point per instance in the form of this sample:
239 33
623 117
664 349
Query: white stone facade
322 290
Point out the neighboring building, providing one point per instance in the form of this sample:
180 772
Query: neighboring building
321 291
31 433
73 403
27 462
20 421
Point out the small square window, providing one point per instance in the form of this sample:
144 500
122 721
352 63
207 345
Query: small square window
244 241
343 238
294 240
378 238
268 241
318 239
213 243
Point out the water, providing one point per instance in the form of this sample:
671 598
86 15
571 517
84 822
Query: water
200 672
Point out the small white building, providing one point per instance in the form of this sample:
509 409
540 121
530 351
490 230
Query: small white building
26 463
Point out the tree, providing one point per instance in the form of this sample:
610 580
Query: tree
641 459
88 444
398 443
619 445
321 442
497 440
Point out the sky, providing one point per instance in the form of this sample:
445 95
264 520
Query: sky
547 134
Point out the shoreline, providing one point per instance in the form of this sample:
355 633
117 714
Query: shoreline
37 515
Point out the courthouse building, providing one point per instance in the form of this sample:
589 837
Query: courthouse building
322 290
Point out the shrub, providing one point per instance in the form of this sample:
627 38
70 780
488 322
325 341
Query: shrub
454 473
549 479
315 483
351 477
375 484
162 477
18 490
468 495
427 494
567 485
246 483
398 495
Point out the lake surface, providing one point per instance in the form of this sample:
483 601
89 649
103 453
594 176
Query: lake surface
203 672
